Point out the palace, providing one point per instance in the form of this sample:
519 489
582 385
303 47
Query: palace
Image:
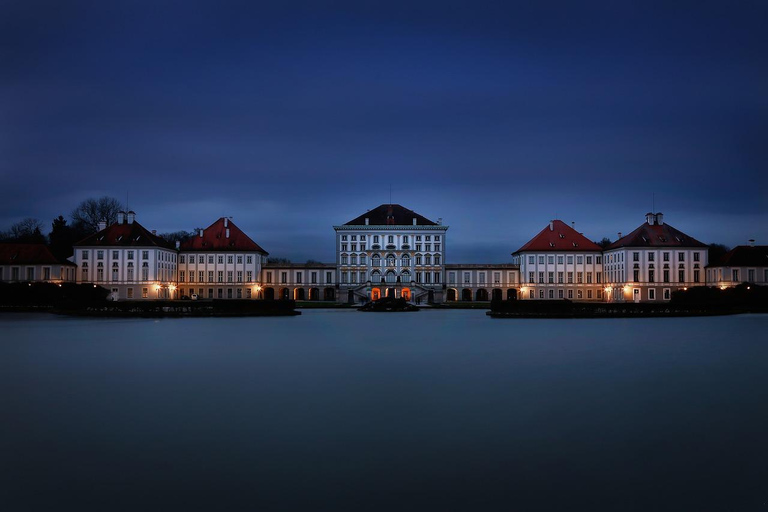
389 251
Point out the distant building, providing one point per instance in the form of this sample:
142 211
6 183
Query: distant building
221 262
391 251
128 260
742 264
33 263
653 261
560 263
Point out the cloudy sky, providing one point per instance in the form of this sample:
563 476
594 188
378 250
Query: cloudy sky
292 117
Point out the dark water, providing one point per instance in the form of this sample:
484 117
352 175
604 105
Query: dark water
344 410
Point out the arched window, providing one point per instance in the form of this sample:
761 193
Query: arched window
437 259
344 259
405 277
362 259
427 259
391 277
418 259
390 260
353 259
375 276
406 261
376 260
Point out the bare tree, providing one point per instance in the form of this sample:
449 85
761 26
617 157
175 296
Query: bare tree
90 212
28 230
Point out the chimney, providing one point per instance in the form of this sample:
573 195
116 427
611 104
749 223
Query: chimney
226 223
367 221
201 232
414 221
178 244
619 236
649 218
154 232
102 225
660 219
131 217
751 242
227 232
440 221
551 225
573 225
121 217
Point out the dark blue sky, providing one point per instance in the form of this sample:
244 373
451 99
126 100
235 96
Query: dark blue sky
292 117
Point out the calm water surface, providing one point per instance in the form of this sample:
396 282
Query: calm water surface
338 410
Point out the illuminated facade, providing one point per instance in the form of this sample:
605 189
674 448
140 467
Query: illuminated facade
653 261
128 260
560 263
391 251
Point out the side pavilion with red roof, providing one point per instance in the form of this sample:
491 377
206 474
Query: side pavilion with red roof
221 262
560 263
653 261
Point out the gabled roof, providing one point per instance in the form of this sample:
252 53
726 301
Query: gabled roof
743 256
222 235
398 215
28 254
655 235
559 236
125 235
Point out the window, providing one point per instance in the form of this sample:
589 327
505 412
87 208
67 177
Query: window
481 277
376 260
200 276
665 256
390 260
551 260
541 294
283 277
269 277
182 259
589 260
651 276
560 261
390 239
599 278
560 277
129 293
570 260
589 277
579 294
239 276
651 294
144 293
249 275
99 255
200 260
541 260
343 238
531 295
635 256
667 294
666 276
636 276
579 277
452 277
696 256
428 259
375 239
570 277
651 256
531 260
437 277
589 294
344 259
551 294
406 261
298 277
220 259
579 260
210 276
313 277
599 294
735 275
559 294
497 277
681 276
551 277
531 278
181 276
541 277
467 277
681 256
598 261
343 277
249 259
144 255
84 254
362 259
751 275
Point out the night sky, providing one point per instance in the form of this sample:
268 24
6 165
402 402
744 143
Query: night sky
292 117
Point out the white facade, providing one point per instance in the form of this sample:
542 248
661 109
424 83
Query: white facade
482 282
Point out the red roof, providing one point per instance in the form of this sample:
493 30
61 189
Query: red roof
559 236
391 214
215 239
744 256
126 234
655 235
28 254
